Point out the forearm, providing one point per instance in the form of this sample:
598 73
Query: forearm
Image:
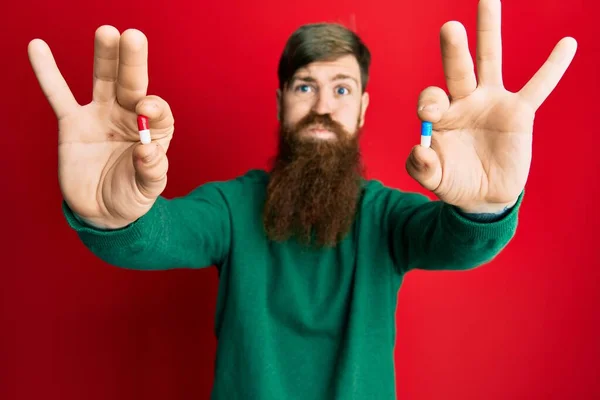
438 236
187 232
132 247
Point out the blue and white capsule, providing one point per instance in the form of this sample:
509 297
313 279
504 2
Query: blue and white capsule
426 128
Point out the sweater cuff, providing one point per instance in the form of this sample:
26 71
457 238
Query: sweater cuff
462 224
99 239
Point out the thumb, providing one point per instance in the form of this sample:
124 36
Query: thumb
157 110
423 164
151 165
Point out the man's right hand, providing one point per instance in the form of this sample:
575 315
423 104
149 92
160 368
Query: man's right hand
106 176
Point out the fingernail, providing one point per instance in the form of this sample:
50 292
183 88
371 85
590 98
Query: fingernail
419 164
430 108
148 105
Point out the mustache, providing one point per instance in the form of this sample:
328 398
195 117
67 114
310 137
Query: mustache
324 121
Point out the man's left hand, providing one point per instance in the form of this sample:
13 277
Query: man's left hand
481 146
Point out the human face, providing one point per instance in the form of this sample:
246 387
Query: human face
331 88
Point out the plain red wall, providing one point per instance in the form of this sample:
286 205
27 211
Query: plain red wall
526 326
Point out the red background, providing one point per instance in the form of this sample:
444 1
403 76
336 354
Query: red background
526 326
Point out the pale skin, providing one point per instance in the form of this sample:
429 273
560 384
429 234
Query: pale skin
107 177
479 159
481 147
325 87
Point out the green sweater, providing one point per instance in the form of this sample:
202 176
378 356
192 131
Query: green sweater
293 322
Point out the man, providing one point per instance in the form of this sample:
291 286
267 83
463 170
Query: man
310 254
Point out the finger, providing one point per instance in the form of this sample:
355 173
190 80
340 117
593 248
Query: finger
132 81
489 43
157 110
51 81
106 63
433 104
151 165
423 164
457 60
547 77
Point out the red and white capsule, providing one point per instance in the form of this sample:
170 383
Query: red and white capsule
144 129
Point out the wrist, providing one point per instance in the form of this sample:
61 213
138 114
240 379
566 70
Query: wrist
488 208
98 226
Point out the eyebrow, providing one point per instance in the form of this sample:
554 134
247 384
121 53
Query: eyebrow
337 77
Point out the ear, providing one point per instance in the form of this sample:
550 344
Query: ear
278 95
365 104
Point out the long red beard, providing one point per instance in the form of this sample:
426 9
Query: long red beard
314 185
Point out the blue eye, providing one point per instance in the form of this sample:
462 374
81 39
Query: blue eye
342 89
303 88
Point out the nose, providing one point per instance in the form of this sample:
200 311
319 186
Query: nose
323 103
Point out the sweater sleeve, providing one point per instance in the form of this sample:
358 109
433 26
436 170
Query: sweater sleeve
192 231
433 235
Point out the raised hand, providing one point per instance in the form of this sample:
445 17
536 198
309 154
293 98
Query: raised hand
481 145
107 177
